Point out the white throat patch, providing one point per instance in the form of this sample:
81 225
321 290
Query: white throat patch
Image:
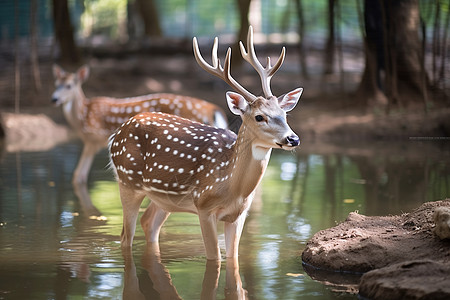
261 153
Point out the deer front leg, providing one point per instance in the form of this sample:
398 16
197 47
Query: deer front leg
233 232
131 201
84 163
208 225
152 221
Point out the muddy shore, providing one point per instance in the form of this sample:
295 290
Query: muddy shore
400 256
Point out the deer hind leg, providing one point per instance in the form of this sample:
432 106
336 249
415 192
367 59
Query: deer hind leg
152 221
131 201
208 225
84 163
233 232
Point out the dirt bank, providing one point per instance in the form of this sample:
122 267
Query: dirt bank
401 245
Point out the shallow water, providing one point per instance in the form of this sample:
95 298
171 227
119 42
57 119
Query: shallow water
52 249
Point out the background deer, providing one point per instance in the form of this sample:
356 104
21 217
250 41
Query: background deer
94 120
185 166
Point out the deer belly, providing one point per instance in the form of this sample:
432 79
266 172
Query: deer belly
171 203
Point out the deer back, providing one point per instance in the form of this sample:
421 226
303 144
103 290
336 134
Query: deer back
172 156
107 114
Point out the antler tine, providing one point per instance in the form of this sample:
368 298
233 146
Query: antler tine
279 62
201 61
264 73
217 70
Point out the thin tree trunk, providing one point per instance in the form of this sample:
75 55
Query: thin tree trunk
17 59
422 67
329 48
369 93
444 47
150 17
393 58
33 49
244 23
2 131
64 32
340 52
301 33
387 55
436 42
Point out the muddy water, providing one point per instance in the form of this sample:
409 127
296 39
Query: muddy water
50 247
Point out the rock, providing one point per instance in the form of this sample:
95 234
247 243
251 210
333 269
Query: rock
420 279
441 218
413 262
363 243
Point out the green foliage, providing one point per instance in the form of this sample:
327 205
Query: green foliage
186 18
104 17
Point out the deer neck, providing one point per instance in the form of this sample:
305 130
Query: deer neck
75 110
250 163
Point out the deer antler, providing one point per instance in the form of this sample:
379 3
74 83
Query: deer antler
219 71
264 73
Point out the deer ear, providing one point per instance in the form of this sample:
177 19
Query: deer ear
83 73
236 103
58 72
288 101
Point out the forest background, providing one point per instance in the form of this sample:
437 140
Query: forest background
388 59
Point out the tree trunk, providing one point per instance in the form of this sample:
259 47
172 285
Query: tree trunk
441 79
330 45
64 32
369 93
2 131
150 17
33 48
16 59
436 42
405 43
393 46
301 33
244 23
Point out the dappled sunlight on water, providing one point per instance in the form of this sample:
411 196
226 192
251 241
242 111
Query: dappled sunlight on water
58 241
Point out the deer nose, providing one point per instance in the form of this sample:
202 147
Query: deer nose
293 140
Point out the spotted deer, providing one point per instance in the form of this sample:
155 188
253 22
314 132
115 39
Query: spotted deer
186 166
94 120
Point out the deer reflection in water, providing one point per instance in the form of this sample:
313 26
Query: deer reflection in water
163 286
82 193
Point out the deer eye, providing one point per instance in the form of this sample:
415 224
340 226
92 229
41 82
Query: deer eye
259 118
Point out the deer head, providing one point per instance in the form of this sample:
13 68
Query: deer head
68 85
264 116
